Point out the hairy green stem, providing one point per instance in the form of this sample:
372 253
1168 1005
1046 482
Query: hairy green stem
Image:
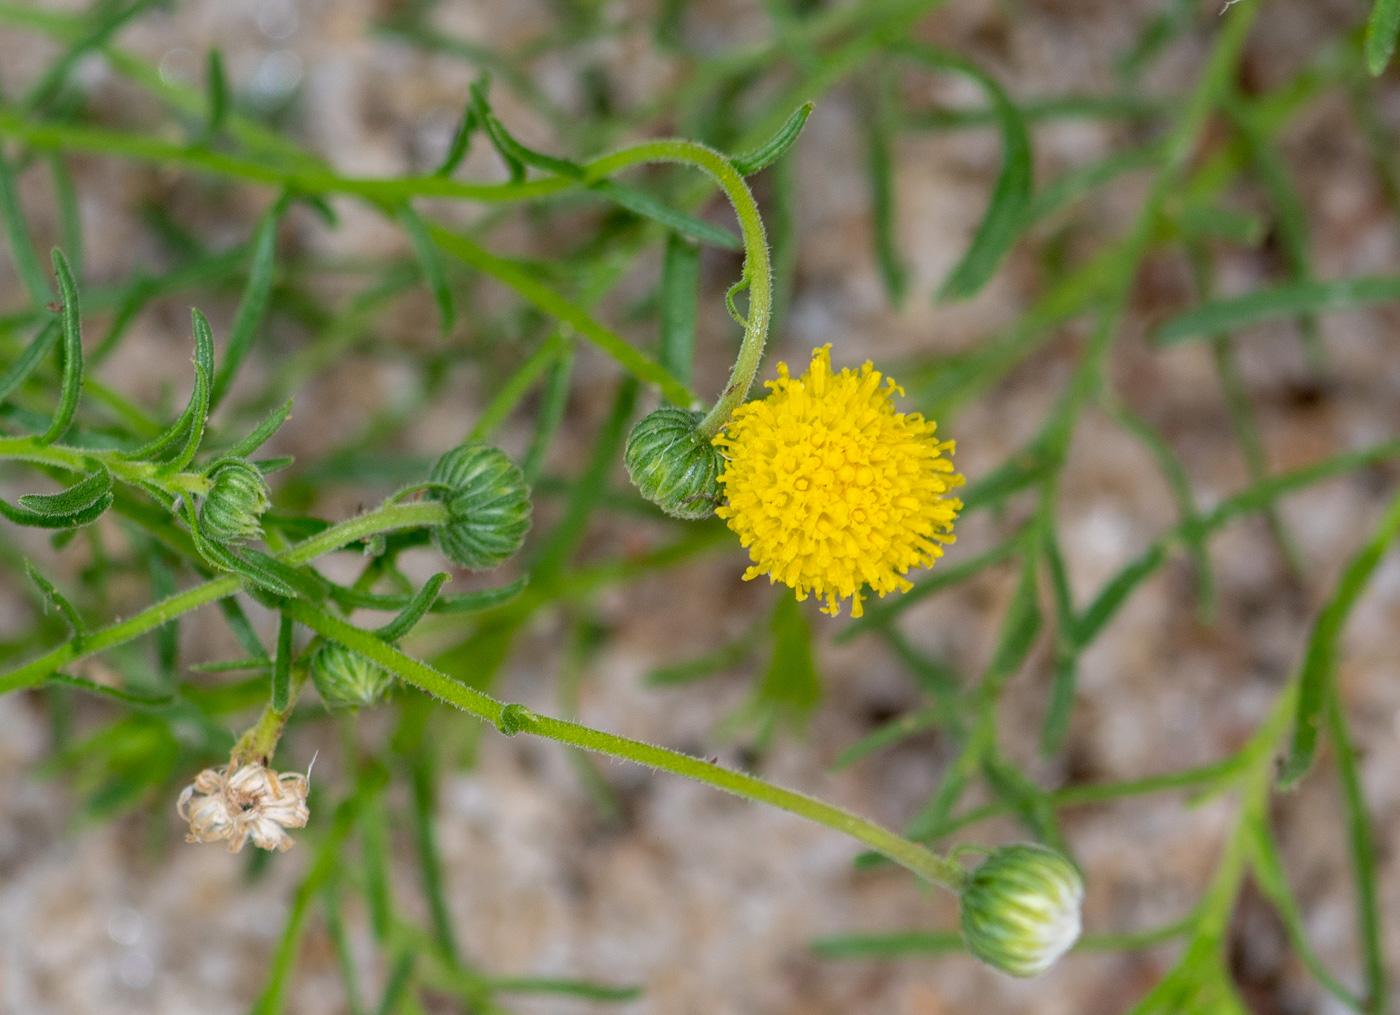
384 519
515 719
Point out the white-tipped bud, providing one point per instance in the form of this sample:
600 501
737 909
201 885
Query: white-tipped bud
1020 909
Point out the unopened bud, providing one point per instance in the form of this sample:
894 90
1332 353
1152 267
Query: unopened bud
673 464
234 503
1020 909
346 678
489 500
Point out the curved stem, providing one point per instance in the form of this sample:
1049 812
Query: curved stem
516 719
758 269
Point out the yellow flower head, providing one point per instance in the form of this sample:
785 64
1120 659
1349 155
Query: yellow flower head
830 489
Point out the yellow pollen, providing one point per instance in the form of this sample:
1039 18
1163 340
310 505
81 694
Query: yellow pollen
831 490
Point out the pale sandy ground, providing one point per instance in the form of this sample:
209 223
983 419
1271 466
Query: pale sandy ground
706 901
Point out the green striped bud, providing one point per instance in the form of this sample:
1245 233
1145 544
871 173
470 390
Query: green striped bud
490 504
347 679
234 503
1020 909
673 464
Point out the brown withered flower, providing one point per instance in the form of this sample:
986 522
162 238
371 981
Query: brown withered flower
252 802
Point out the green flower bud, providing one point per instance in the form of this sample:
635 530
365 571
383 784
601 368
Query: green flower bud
490 505
1020 909
673 464
232 505
346 678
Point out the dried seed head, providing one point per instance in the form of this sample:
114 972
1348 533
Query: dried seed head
252 802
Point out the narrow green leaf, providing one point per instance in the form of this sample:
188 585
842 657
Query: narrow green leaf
92 687
217 84
199 398
1318 664
569 988
282 666
723 658
1264 305
554 401
242 629
639 202
18 372
879 136
544 297
775 147
513 150
791 684
1005 218
37 520
263 433
1381 31
506 146
509 394
21 246
1019 628
303 581
1116 592
77 498
415 609
70 222
461 141
430 263
254 302
890 733
680 296
483 599
72 352
883 946
65 609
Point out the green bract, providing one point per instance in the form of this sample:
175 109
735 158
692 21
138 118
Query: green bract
1020 909
673 464
234 503
346 678
490 505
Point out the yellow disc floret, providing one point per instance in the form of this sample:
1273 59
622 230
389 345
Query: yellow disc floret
830 489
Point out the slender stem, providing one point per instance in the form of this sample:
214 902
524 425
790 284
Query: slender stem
384 519
515 719
758 271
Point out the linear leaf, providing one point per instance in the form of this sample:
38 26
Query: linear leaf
775 147
21 246
430 263
263 433
1320 660
18 372
461 142
880 135
1005 217
37 520
79 497
282 666
1381 30
639 202
415 609
680 285
72 351
65 609
254 302
217 83
1223 316
199 399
